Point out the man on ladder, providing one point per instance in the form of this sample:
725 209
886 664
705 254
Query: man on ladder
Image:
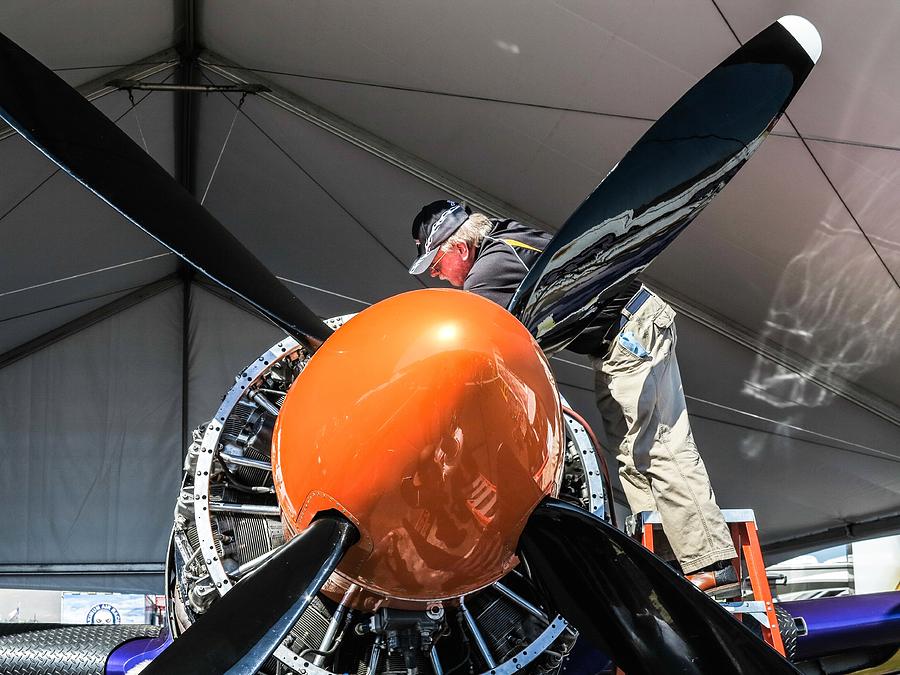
637 382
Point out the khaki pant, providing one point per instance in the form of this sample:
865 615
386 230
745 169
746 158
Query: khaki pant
641 401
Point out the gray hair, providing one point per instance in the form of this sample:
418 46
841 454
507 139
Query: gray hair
471 232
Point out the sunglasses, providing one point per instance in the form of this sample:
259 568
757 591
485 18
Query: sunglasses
437 261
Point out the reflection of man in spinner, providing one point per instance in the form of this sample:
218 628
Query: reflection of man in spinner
638 384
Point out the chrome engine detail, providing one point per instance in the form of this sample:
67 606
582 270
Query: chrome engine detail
227 522
402 635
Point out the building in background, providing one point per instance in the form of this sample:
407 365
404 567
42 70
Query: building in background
861 567
31 606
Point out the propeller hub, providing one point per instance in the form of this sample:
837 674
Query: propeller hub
433 422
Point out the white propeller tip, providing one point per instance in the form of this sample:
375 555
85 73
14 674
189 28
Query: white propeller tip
805 34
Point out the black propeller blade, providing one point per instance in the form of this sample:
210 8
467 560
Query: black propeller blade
661 185
79 138
244 627
633 606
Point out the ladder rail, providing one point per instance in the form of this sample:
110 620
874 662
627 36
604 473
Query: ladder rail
744 534
756 570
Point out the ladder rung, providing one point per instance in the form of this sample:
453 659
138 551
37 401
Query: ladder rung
756 609
731 516
745 607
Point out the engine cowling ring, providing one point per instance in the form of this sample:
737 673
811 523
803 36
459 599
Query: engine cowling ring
201 525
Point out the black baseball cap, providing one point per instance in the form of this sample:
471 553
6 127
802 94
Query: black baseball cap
434 225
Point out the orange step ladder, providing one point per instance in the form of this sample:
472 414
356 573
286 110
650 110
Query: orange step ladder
742 523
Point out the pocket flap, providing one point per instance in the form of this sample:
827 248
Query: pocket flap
665 317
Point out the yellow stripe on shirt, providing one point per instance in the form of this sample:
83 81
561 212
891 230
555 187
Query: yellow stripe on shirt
521 244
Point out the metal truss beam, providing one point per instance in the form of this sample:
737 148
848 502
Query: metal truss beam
185 110
129 85
79 569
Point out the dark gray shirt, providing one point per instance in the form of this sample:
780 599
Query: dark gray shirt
503 260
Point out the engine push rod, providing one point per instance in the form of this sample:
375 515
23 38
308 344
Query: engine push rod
375 656
435 661
336 620
480 642
260 399
251 565
520 601
248 509
237 460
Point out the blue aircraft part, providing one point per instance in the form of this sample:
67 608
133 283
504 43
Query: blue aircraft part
132 653
834 625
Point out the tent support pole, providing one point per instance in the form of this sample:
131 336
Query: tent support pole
186 174
186 281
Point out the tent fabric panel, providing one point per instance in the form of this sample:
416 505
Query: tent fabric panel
792 268
69 232
107 33
803 457
30 314
572 52
305 231
43 277
539 176
776 253
89 426
852 88
19 325
100 583
867 179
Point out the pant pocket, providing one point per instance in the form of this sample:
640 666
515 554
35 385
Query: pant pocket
665 317
628 341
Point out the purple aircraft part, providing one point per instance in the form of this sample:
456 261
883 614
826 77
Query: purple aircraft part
847 622
135 652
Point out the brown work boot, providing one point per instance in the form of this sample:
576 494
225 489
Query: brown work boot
711 580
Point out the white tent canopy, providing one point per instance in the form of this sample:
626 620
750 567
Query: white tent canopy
786 286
